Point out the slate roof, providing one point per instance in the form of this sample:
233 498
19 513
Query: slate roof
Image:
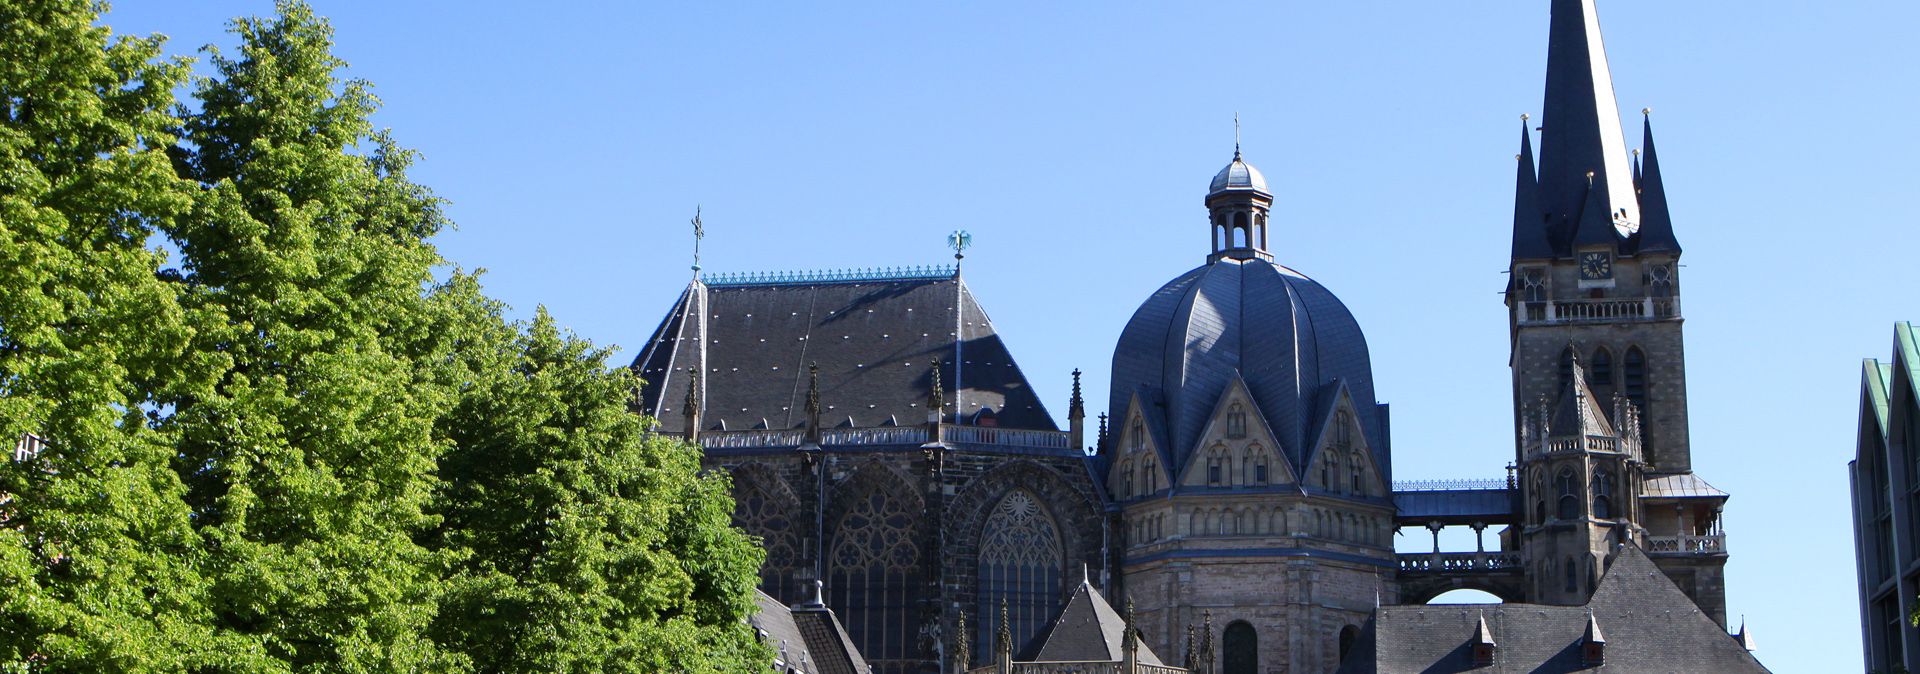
875 340
1286 335
1086 630
1683 485
1650 626
805 639
1456 505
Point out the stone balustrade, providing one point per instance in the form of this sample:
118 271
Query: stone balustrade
1456 562
1574 311
891 435
1687 545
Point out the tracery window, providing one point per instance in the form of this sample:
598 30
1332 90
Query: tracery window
1602 495
1236 422
1569 490
1021 561
1533 284
1358 486
1660 280
758 511
875 579
1216 466
1600 373
1257 462
1634 379
1150 476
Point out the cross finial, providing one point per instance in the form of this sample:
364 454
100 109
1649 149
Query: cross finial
699 232
1236 134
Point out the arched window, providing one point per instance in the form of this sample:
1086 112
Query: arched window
1343 429
1568 487
1236 421
1021 562
1217 466
1126 479
1600 374
874 577
1633 381
1539 488
1602 495
1566 366
1257 465
1150 475
1333 465
1356 473
1240 648
1239 232
1573 575
1139 435
1348 635
766 511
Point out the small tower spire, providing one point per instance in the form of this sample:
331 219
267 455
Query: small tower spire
1236 134
1003 640
936 399
692 407
813 403
961 658
1206 641
1102 440
1656 224
1077 415
1529 222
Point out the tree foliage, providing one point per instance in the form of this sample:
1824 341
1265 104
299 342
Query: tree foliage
297 448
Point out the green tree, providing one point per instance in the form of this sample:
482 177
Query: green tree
309 451
98 558
589 544
298 451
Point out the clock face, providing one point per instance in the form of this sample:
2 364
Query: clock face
1596 266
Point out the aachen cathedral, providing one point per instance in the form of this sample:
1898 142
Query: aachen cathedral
1237 496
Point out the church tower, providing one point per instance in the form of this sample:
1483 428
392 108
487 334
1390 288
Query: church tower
1595 318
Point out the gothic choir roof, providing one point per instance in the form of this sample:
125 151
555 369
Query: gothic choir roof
1649 626
875 340
1292 341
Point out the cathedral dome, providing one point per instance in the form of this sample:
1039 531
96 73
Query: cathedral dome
1238 175
1290 339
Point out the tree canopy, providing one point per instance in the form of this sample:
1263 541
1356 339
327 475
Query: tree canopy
279 434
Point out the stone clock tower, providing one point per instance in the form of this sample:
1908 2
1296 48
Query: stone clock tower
1594 311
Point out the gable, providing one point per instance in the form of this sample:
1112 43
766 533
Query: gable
1138 466
1238 444
1342 444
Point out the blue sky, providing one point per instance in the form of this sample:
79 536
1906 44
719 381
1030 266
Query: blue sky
1074 141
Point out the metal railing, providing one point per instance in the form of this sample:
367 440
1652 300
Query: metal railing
830 275
1077 667
1687 545
891 435
1455 562
1571 311
1451 485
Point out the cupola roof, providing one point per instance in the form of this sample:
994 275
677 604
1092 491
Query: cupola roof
1238 175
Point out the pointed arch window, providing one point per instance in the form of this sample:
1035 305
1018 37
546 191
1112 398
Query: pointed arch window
1257 462
1660 280
1600 373
1573 575
1633 382
763 511
1139 435
1126 479
1357 473
1150 475
1021 562
1539 484
1343 429
1333 467
1568 487
1236 421
874 576
1602 495
1217 466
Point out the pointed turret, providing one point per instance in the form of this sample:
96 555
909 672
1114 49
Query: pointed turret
1529 221
1580 134
1656 226
1077 415
1577 413
813 404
